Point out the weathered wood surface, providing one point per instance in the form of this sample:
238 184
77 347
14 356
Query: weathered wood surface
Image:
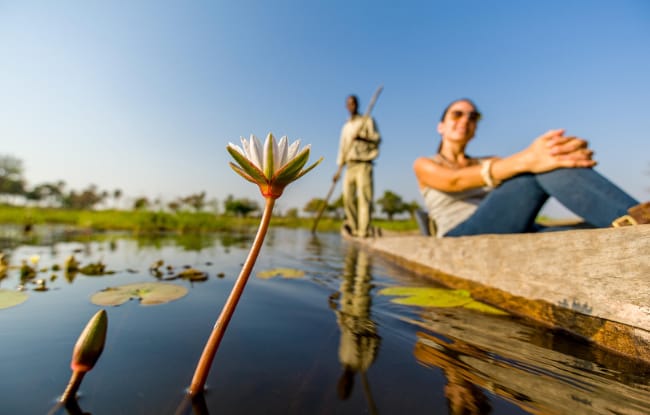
594 283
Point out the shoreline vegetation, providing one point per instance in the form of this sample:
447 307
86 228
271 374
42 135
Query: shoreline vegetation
151 222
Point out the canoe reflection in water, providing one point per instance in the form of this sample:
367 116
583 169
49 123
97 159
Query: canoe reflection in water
464 397
484 356
359 341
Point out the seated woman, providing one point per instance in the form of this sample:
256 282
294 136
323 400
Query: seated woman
470 196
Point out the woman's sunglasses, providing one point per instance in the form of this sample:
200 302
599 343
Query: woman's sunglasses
472 115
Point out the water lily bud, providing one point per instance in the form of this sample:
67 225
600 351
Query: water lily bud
90 344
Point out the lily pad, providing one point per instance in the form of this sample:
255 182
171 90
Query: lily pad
484 308
428 297
438 297
93 269
9 298
149 293
192 274
281 272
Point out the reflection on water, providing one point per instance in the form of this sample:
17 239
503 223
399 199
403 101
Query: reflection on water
69 408
322 344
359 341
535 370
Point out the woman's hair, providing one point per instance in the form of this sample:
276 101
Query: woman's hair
469 101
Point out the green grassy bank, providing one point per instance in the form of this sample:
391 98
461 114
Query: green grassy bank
154 222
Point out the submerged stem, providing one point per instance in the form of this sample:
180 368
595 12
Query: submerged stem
219 329
74 383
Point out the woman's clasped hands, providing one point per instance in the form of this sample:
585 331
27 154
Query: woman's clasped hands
553 150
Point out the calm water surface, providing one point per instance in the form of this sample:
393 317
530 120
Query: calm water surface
326 343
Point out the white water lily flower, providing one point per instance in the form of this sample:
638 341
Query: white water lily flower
271 167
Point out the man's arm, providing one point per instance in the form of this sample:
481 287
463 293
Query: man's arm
340 157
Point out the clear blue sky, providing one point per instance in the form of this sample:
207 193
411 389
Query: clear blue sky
144 96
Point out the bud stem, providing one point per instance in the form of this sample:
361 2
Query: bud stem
71 390
219 329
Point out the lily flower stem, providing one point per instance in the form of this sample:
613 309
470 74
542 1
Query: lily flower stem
74 383
219 329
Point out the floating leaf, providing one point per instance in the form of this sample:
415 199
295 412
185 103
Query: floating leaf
9 298
437 297
91 269
149 293
428 297
281 272
484 308
409 291
192 274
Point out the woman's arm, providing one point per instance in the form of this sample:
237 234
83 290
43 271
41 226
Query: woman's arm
547 152
437 176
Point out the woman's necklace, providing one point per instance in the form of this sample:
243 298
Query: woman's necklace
449 163
454 164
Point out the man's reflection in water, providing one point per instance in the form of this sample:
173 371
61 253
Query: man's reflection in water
359 341
464 397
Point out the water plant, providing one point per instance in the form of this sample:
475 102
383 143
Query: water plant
288 273
271 167
149 293
10 298
437 298
86 352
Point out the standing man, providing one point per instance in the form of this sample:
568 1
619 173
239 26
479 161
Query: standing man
358 147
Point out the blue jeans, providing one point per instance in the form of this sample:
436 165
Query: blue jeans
513 206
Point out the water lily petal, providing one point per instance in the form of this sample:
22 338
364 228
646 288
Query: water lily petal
246 165
256 153
269 148
236 147
245 146
242 173
281 154
289 171
293 149
308 169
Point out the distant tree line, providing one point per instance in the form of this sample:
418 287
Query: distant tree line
390 204
14 190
